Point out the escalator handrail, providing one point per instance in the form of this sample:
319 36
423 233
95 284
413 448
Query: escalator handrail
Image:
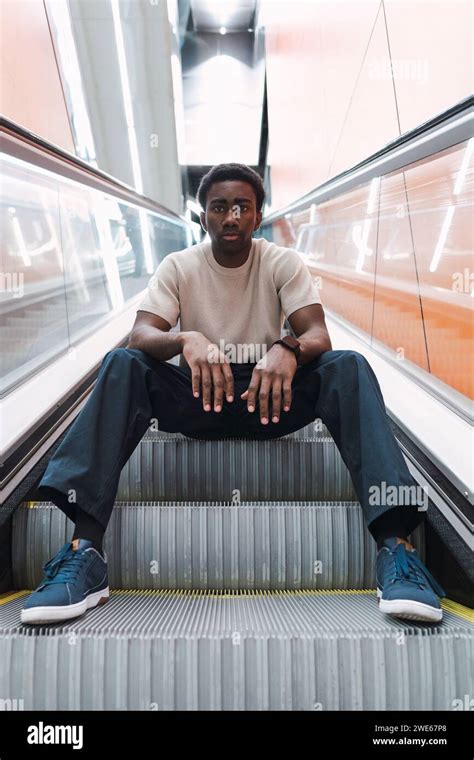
28 146
457 124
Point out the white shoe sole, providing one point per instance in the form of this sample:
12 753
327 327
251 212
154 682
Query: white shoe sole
65 612
409 609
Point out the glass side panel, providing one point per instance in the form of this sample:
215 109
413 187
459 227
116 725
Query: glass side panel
71 258
394 257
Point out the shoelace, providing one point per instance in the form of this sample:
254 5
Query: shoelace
65 566
408 567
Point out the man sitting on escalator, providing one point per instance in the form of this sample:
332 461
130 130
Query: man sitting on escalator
237 377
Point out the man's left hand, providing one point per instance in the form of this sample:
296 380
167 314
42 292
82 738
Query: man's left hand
271 380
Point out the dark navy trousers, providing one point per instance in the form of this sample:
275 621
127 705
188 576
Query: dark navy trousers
132 389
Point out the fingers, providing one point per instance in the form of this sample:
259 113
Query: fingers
264 398
215 379
276 399
196 380
250 395
217 386
271 389
287 397
228 381
206 387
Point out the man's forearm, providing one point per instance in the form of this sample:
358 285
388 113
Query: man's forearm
313 343
159 344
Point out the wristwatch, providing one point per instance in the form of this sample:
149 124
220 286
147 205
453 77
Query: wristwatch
291 343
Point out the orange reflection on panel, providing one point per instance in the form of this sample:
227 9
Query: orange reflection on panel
398 318
350 225
31 89
394 258
440 199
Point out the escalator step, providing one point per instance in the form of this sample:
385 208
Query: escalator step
282 650
212 545
195 470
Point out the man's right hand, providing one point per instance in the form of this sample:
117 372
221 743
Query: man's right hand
210 369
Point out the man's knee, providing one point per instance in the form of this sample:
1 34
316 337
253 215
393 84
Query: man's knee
350 357
343 359
124 355
122 363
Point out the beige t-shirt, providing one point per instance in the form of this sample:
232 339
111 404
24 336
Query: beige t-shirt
240 309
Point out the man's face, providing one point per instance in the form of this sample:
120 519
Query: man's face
231 214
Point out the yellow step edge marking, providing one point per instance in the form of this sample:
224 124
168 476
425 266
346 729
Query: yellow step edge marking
466 613
228 593
450 606
10 596
458 609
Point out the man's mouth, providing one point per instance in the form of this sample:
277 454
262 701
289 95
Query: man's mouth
230 235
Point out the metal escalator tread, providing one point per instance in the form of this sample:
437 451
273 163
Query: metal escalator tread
204 650
283 468
235 618
254 545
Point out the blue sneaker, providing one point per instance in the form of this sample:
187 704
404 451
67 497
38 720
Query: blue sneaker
76 580
405 587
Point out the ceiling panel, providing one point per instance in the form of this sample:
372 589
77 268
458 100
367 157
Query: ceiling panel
234 15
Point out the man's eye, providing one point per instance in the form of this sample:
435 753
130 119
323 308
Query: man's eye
218 208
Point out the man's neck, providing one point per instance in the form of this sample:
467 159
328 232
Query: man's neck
231 259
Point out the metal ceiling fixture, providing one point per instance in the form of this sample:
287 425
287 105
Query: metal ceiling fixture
223 15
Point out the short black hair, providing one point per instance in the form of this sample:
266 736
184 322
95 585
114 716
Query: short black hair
222 172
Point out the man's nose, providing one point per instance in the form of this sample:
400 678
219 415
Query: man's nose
231 218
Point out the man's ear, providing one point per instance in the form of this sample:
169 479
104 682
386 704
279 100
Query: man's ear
203 220
258 220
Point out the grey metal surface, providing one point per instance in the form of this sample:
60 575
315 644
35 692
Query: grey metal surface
248 651
193 470
240 611
212 545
